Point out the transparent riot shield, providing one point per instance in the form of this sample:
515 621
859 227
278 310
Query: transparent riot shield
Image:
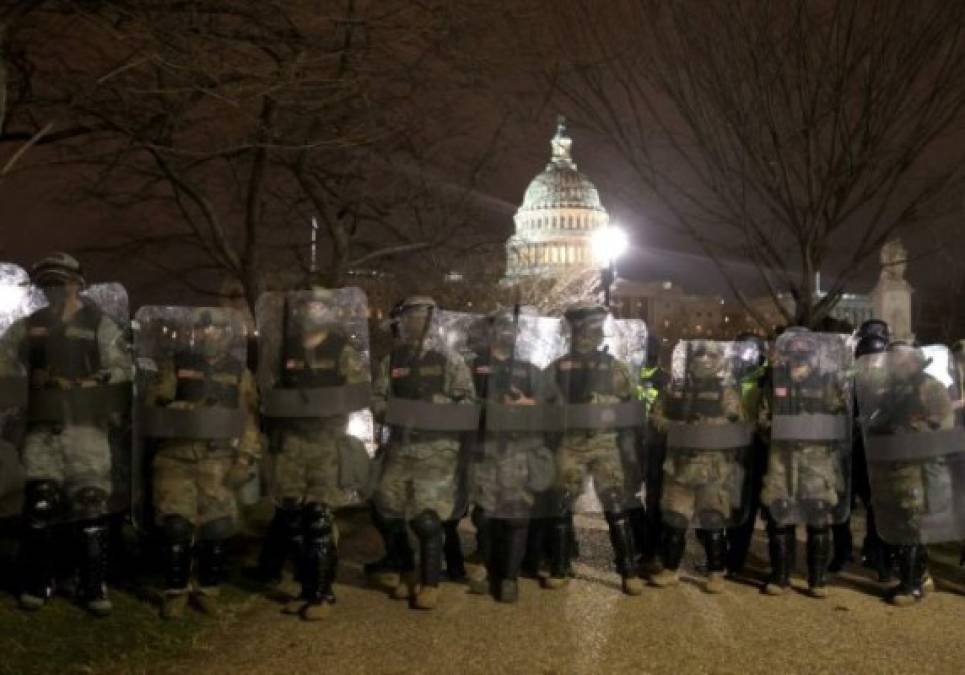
914 442
427 401
189 395
601 421
315 375
16 301
512 467
808 478
706 470
77 424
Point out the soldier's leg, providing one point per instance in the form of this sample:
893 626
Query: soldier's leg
452 548
87 468
560 531
782 543
740 537
511 551
609 478
677 504
176 503
392 499
649 545
912 566
486 534
818 558
289 485
43 505
218 518
428 529
319 561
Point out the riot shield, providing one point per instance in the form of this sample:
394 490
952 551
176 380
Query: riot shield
431 413
314 373
77 426
512 465
706 470
601 420
808 477
189 404
16 301
914 442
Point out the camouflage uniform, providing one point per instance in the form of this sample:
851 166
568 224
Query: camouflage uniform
805 480
697 483
419 477
68 463
503 476
590 375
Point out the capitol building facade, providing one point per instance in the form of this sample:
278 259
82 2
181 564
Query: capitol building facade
561 211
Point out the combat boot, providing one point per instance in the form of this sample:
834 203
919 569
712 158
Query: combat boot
211 573
318 563
428 529
715 543
399 558
177 573
912 563
781 546
818 555
673 541
36 556
621 538
93 568
560 539
478 573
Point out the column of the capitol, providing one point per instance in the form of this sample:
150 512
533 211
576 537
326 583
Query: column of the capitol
891 297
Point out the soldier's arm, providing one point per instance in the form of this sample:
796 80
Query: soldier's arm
249 446
732 405
163 388
623 380
658 413
764 410
352 366
458 380
380 389
115 351
941 414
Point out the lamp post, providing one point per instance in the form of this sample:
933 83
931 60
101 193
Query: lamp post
609 243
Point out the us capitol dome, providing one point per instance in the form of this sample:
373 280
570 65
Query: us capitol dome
555 224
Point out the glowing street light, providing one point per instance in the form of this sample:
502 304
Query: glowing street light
609 243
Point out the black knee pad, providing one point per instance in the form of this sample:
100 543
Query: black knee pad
89 502
711 520
676 520
317 519
612 501
427 525
42 502
216 530
478 517
289 504
177 529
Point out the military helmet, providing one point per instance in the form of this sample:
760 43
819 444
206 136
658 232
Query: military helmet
870 344
211 319
57 267
875 327
416 302
958 348
757 345
316 313
583 312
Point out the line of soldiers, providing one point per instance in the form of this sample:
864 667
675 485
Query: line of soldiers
521 420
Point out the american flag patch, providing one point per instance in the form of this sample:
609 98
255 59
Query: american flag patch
400 372
780 391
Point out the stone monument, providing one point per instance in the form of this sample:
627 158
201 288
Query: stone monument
891 297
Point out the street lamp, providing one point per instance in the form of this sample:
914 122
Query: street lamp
609 243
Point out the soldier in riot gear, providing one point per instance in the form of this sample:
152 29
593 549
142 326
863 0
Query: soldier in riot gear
872 338
806 412
194 479
647 523
752 383
913 493
79 356
704 472
419 385
322 377
589 374
503 476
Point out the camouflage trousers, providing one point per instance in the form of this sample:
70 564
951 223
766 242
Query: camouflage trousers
190 481
499 479
907 493
595 455
800 477
419 476
307 469
706 485
76 457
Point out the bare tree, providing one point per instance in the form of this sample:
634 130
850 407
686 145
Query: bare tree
797 135
225 128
